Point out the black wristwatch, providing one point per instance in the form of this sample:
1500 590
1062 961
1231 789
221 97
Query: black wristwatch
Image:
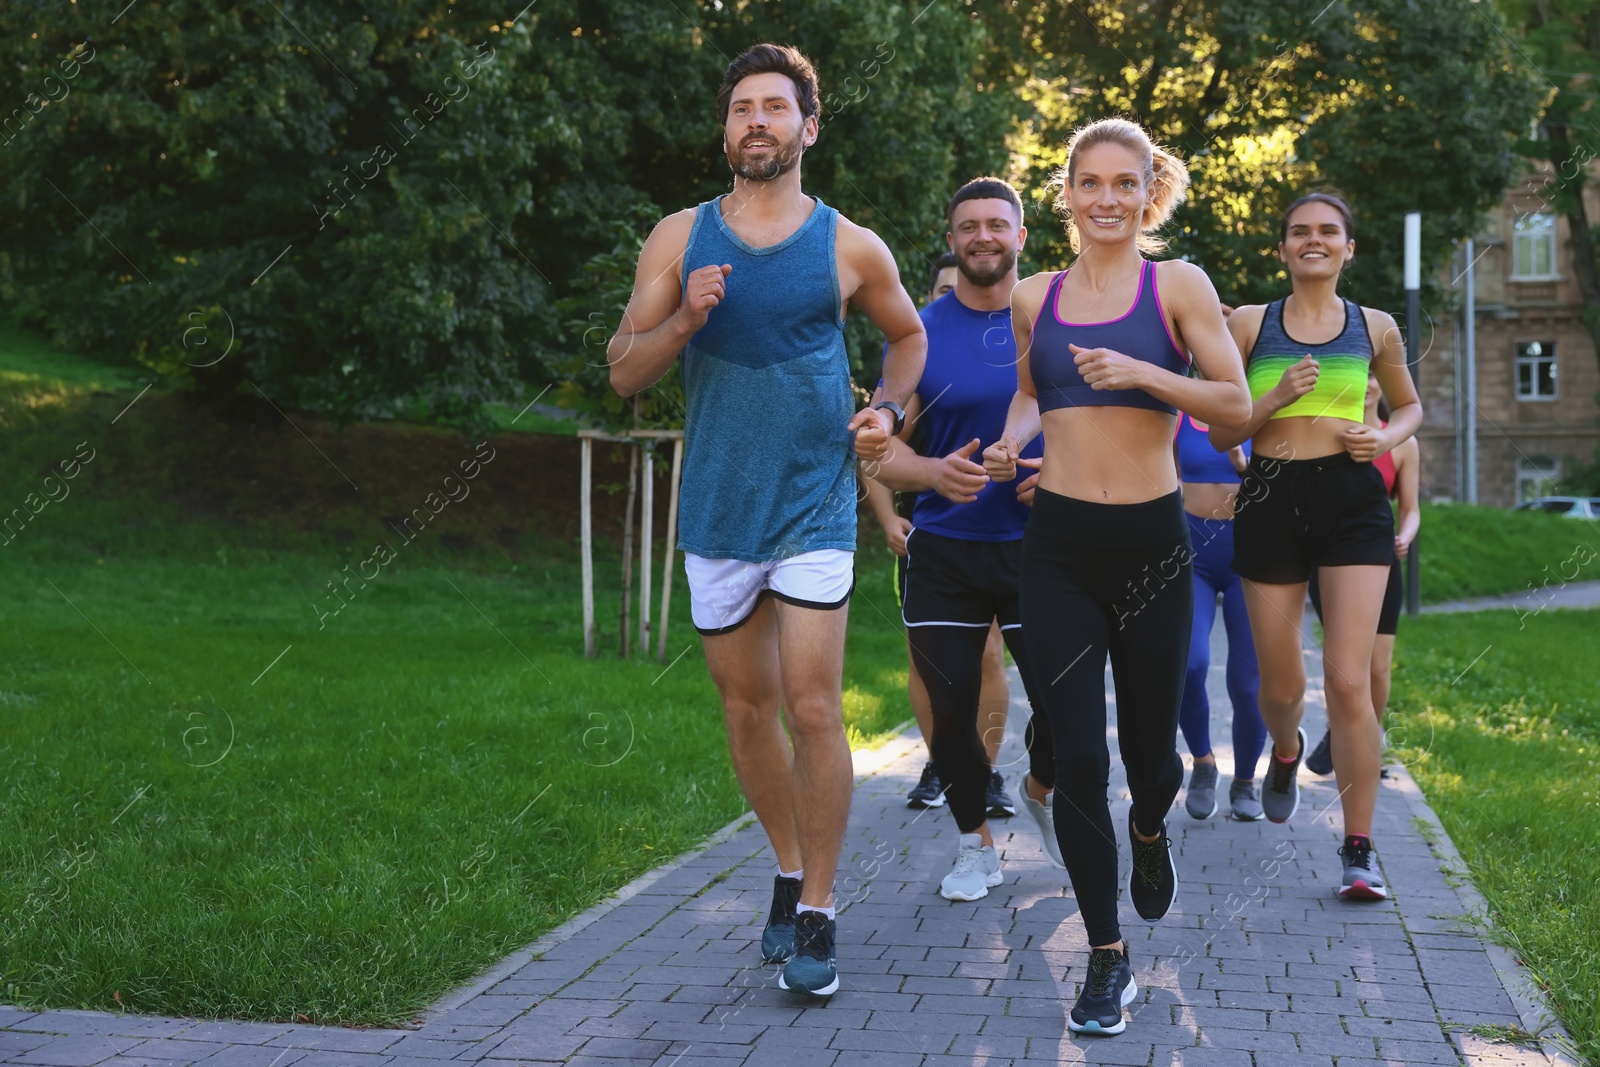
897 411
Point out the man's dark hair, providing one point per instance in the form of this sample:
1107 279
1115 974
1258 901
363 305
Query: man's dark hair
984 189
945 261
771 59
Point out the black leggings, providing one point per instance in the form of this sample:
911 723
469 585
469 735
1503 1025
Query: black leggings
950 661
954 590
1099 579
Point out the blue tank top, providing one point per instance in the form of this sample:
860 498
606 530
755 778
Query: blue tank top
768 468
1198 461
965 391
1142 333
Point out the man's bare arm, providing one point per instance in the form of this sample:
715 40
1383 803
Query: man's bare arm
880 294
658 321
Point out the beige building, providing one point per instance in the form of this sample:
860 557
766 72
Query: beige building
1536 373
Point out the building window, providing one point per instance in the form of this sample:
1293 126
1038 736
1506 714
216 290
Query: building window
1533 247
1537 476
1536 370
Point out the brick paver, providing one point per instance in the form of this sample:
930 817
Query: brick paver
1257 964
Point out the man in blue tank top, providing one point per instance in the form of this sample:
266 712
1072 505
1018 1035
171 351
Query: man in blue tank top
963 554
752 289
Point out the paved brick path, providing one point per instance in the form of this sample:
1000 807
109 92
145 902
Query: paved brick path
1257 964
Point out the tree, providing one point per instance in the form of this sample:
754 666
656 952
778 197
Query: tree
1561 38
1401 104
344 189
413 207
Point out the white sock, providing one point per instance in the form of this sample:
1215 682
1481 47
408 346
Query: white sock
798 876
828 912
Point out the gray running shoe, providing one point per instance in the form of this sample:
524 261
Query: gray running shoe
1362 880
1245 803
1044 817
1201 802
1281 797
976 871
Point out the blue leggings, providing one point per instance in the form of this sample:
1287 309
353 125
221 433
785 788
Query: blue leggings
1213 573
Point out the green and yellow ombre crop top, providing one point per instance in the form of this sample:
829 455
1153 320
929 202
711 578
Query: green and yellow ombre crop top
1345 361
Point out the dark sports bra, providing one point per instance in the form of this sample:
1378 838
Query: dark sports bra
1142 333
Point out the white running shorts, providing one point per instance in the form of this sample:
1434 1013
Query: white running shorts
723 592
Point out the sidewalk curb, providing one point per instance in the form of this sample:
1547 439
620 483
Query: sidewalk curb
865 763
1537 1017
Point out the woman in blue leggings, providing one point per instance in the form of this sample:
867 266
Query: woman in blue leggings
1210 482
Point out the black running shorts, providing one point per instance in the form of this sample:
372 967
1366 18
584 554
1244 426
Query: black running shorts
1393 600
1292 516
951 582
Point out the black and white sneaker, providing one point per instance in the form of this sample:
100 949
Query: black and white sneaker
1153 882
997 799
1321 759
1281 797
928 792
777 940
1362 881
1108 989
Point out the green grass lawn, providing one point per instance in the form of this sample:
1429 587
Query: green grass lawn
1472 551
1507 749
431 780
216 802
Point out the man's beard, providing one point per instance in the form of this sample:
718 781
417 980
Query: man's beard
985 277
783 158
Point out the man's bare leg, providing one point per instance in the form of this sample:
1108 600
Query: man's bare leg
744 666
811 666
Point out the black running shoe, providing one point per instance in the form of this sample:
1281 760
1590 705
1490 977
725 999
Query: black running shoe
1153 882
1321 759
1361 878
999 801
928 793
1108 989
777 940
1281 796
812 969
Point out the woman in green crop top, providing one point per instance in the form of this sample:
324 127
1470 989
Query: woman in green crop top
1312 498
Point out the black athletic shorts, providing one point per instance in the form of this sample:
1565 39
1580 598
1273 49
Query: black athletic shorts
1393 599
952 582
1292 516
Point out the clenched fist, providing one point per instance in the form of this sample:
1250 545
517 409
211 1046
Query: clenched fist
703 291
872 427
1296 382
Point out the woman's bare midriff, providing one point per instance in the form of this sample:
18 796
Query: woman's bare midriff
1300 437
1209 500
1108 455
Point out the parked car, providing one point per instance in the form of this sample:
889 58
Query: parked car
1573 507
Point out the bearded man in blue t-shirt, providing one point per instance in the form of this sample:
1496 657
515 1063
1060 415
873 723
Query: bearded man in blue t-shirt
963 555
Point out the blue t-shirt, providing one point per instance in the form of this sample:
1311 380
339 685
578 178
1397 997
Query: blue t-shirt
965 391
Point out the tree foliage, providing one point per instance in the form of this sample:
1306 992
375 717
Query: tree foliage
413 207
1402 105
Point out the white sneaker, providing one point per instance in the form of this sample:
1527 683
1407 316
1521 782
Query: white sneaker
977 868
1044 817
